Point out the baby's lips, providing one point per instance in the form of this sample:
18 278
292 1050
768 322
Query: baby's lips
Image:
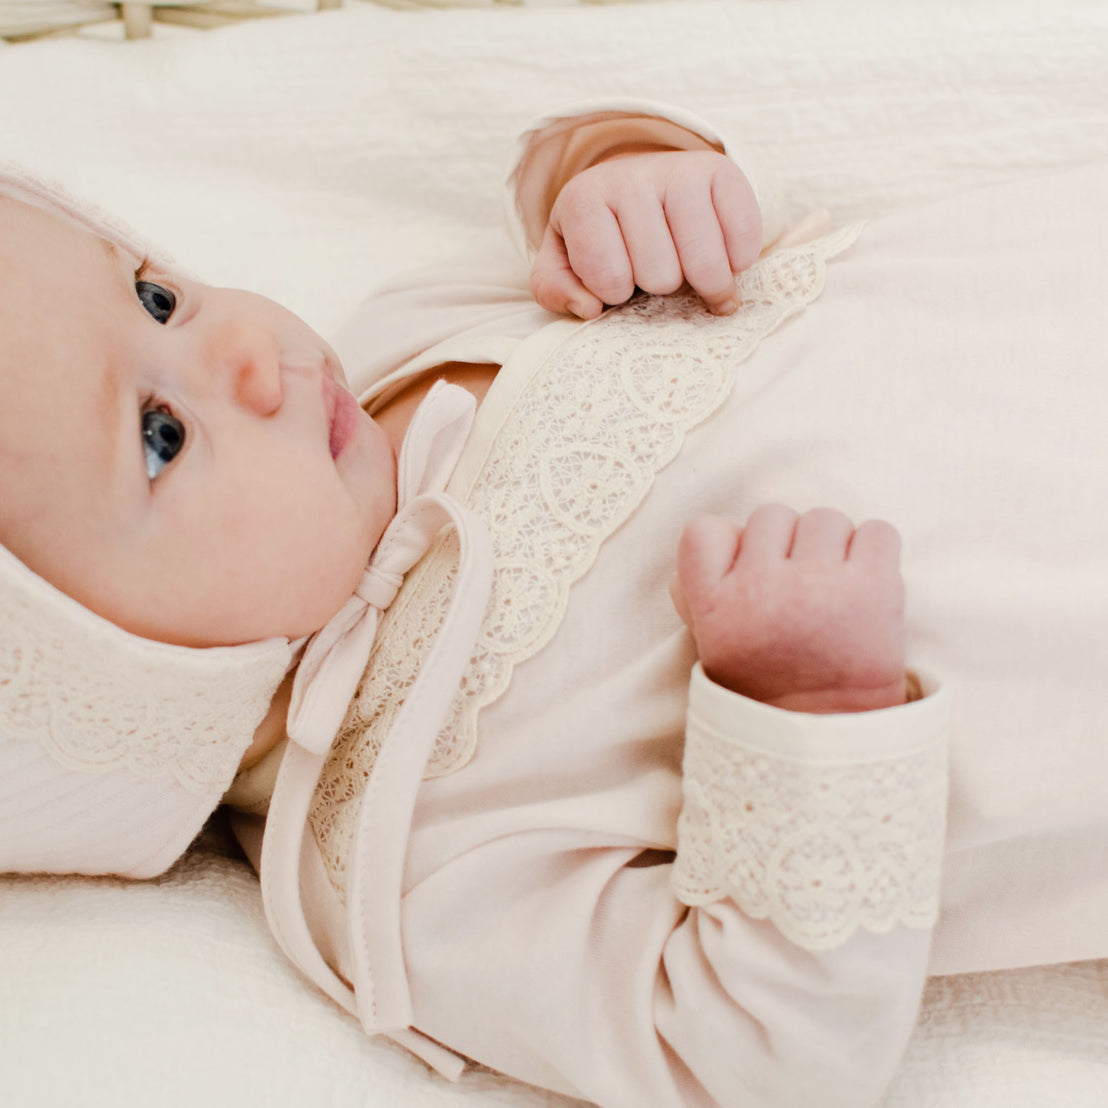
333 367
342 415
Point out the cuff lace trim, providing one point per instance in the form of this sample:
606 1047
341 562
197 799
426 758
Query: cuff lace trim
821 850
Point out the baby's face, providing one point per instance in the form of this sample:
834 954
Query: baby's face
185 461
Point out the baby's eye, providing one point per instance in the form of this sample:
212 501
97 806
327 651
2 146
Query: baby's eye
156 299
163 438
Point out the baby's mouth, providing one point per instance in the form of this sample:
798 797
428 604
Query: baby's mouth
342 415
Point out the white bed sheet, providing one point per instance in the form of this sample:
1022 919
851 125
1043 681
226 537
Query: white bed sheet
312 158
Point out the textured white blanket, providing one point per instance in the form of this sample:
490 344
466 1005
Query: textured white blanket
118 995
311 158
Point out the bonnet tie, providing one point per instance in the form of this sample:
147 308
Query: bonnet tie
327 679
336 656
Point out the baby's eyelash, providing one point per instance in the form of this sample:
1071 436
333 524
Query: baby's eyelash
144 265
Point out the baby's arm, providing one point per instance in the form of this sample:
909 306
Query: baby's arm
778 957
649 219
778 960
485 301
800 612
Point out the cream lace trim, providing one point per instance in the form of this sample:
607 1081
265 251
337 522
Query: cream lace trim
573 459
821 850
97 699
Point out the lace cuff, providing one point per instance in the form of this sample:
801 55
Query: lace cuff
823 824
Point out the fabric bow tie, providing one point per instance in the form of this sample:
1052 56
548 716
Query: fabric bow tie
336 656
325 683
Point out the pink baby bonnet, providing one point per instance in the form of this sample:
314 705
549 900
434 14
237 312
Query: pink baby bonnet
114 749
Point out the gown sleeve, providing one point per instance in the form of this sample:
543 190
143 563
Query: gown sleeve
557 147
777 961
473 307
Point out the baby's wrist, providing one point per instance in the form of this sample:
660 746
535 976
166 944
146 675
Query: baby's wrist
840 701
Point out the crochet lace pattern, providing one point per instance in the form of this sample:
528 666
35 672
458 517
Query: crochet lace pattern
97 699
572 460
821 850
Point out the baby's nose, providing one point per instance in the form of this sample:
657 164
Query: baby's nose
249 353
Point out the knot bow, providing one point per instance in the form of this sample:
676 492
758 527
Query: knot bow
379 586
336 656
325 683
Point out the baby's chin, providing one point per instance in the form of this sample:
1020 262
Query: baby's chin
246 631
333 603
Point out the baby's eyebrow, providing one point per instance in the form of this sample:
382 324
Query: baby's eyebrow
110 388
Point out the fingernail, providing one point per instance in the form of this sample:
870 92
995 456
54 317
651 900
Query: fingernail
728 307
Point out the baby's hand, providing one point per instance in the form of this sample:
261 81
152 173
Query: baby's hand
801 612
652 220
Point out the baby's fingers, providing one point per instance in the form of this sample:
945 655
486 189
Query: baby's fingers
822 535
555 286
586 219
655 265
740 217
767 538
875 542
717 230
701 248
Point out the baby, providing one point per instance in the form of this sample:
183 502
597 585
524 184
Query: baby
258 404
589 890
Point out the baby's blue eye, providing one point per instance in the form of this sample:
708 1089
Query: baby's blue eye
163 438
156 299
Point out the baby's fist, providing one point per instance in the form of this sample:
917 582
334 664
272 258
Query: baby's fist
649 220
804 612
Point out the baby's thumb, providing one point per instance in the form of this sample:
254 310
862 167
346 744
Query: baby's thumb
705 555
677 595
555 286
